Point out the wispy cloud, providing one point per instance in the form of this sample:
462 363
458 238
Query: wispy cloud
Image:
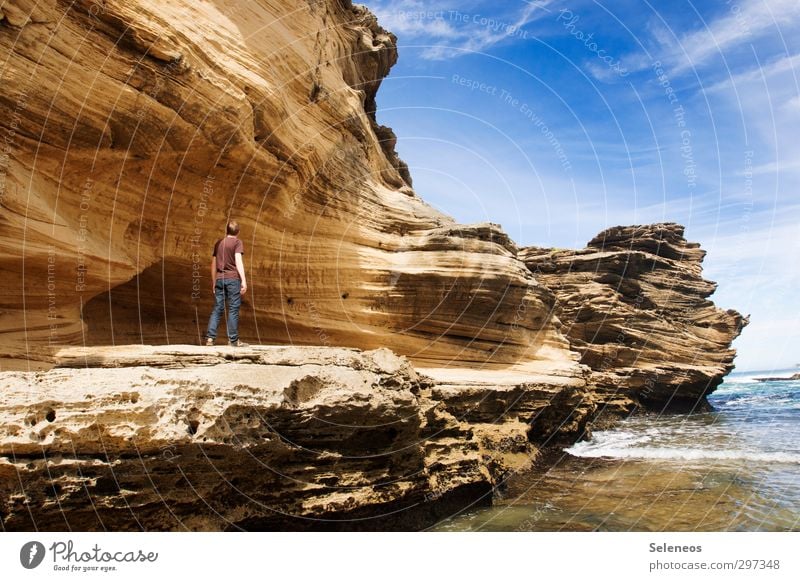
772 68
741 25
767 98
450 30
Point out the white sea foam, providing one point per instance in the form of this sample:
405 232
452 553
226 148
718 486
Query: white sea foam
752 378
758 400
754 422
590 450
738 380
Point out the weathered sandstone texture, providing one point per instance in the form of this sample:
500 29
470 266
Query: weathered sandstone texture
138 127
132 130
635 306
180 437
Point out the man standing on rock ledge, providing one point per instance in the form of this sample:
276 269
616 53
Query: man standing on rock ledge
228 283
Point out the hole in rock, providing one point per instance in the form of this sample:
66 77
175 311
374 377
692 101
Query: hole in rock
52 491
50 416
193 425
106 485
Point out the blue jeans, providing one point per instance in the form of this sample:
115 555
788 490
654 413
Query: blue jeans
226 290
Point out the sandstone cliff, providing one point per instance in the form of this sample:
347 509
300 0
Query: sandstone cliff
635 306
132 130
137 128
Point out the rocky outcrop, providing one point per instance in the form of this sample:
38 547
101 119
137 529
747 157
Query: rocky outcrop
171 438
136 128
635 306
795 377
132 130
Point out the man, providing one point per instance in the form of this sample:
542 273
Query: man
228 283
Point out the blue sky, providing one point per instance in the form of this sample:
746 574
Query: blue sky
559 119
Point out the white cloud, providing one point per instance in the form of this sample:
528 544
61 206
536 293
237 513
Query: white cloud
783 64
767 99
774 167
415 19
450 29
602 72
744 23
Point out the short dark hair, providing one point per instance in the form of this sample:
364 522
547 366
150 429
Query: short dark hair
233 227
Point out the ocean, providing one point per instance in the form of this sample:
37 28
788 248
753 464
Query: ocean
736 468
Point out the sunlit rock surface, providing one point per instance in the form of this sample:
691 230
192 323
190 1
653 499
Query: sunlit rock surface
132 131
184 437
635 306
139 127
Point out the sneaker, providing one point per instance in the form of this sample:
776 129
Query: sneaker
239 343
209 341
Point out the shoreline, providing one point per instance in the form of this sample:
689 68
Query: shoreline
732 469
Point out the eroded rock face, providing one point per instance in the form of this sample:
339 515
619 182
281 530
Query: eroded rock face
172 438
139 127
133 130
635 306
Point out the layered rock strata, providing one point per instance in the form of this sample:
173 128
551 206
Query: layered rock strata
635 306
175 438
138 127
132 131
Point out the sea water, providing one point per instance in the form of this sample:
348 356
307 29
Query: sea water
736 468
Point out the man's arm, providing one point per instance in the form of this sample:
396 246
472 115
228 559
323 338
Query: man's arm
213 274
240 269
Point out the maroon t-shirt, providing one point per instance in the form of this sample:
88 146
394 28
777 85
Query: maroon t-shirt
225 250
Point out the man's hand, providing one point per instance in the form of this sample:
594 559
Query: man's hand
240 269
214 275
